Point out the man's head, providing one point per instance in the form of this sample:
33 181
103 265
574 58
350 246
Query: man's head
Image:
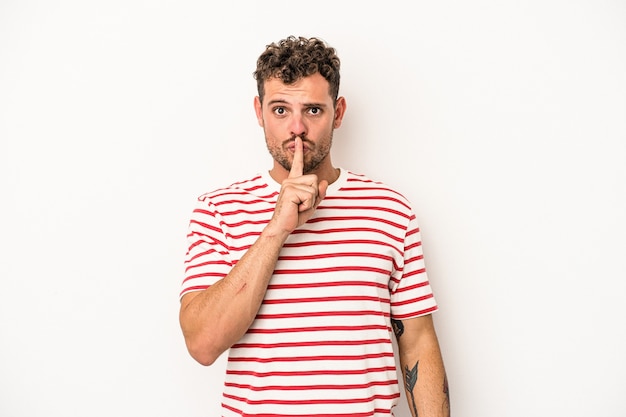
298 85
294 58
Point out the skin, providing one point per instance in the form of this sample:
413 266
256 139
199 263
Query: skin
298 121
419 353
303 109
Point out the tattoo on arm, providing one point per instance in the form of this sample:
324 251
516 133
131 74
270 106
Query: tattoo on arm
410 379
398 327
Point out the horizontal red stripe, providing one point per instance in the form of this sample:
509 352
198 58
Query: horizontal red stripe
339 387
385 272
322 314
415 314
322 243
355 218
201 264
311 402
414 259
342 242
203 254
325 299
414 300
368 197
328 284
245 222
341 255
309 344
206 274
319 329
240 201
413 245
347 230
204 238
263 211
315 372
312 358
369 208
194 288
412 287
336 255
416 272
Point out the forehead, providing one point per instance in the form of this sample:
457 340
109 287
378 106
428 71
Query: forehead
313 88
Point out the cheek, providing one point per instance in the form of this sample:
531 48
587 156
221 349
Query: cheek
275 127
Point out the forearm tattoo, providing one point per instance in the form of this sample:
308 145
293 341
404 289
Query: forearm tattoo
410 379
398 327
410 375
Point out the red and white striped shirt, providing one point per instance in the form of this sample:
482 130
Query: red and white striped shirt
321 342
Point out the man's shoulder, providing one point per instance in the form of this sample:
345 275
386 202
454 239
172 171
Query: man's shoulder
255 184
367 192
362 182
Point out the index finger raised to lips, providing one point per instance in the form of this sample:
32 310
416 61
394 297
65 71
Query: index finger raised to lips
297 164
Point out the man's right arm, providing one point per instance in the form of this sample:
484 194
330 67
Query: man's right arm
212 320
215 318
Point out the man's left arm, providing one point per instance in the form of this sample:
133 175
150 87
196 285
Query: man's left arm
424 375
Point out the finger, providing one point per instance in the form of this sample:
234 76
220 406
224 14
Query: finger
297 164
313 196
305 197
323 186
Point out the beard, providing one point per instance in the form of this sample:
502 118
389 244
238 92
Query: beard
312 159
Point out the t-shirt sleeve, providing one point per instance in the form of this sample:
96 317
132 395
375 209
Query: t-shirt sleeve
207 259
411 294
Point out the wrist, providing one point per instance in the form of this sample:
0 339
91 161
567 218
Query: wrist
274 231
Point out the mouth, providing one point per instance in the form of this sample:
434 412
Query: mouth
290 145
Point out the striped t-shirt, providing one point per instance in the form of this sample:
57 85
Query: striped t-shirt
321 342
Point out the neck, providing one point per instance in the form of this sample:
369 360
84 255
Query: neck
328 173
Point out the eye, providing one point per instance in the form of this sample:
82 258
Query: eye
315 111
279 111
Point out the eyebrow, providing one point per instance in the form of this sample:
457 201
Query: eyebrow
278 101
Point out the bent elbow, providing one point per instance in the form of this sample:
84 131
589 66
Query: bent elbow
203 354
204 359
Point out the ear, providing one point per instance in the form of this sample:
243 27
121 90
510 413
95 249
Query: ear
340 110
258 109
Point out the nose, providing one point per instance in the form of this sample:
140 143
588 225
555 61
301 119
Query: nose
297 126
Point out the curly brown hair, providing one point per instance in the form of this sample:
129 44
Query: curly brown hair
294 58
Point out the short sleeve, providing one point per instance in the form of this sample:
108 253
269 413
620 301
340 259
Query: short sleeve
207 259
412 295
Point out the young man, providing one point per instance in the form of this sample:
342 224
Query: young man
302 272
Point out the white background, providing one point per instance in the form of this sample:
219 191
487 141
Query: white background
504 122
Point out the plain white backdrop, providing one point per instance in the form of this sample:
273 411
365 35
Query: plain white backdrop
504 122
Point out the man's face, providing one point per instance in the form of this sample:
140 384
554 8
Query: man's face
302 109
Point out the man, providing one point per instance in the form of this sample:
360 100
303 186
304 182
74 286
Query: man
302 272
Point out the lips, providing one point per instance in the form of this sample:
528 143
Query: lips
291 146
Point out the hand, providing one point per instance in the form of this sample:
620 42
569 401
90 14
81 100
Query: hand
299 195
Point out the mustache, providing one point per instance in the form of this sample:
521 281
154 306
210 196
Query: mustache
293 138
